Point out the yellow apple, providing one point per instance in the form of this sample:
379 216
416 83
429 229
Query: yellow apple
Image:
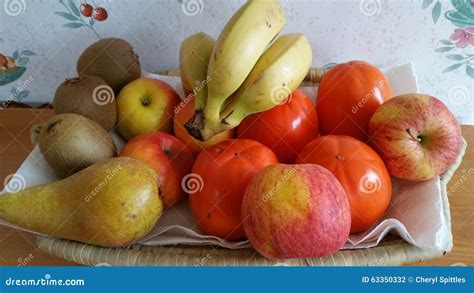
146 105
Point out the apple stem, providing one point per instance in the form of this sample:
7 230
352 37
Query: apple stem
145 101
412 136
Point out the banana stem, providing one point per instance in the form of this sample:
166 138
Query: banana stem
200 100
217 121
212 122
230 118
200 94
211 128
316 74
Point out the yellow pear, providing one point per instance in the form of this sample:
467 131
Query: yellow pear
111 203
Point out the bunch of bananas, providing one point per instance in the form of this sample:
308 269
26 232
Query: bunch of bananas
240 74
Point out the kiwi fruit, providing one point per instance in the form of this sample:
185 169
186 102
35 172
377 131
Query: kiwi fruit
111 59
71 142
89 96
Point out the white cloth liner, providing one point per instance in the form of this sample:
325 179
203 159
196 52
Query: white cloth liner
415 212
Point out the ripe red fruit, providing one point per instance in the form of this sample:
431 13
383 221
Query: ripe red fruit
86 9
225 170
168 156
286 128
100 14
361 172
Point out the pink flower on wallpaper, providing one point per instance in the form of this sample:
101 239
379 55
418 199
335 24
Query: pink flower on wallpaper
463 37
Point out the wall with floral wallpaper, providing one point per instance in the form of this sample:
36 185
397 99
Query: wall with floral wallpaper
40 40
456 48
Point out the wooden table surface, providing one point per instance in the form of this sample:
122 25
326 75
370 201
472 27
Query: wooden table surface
18 248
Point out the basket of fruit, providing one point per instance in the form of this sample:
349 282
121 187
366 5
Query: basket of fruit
247 157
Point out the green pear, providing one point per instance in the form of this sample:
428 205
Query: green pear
111 203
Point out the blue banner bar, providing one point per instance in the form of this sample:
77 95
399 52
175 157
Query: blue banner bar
237 279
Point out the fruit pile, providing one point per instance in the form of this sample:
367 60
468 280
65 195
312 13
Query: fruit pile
258 159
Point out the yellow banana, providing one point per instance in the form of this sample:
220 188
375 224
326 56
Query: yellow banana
278 72
194 56
240 44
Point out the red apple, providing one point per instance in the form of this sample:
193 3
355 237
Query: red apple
416 135
146 105
296 211
170 158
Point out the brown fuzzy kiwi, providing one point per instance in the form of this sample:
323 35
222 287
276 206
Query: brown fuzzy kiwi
88 96
111 59
71 142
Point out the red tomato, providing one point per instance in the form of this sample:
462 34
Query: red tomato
225 170
360 171
286 128
170 158
348 96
